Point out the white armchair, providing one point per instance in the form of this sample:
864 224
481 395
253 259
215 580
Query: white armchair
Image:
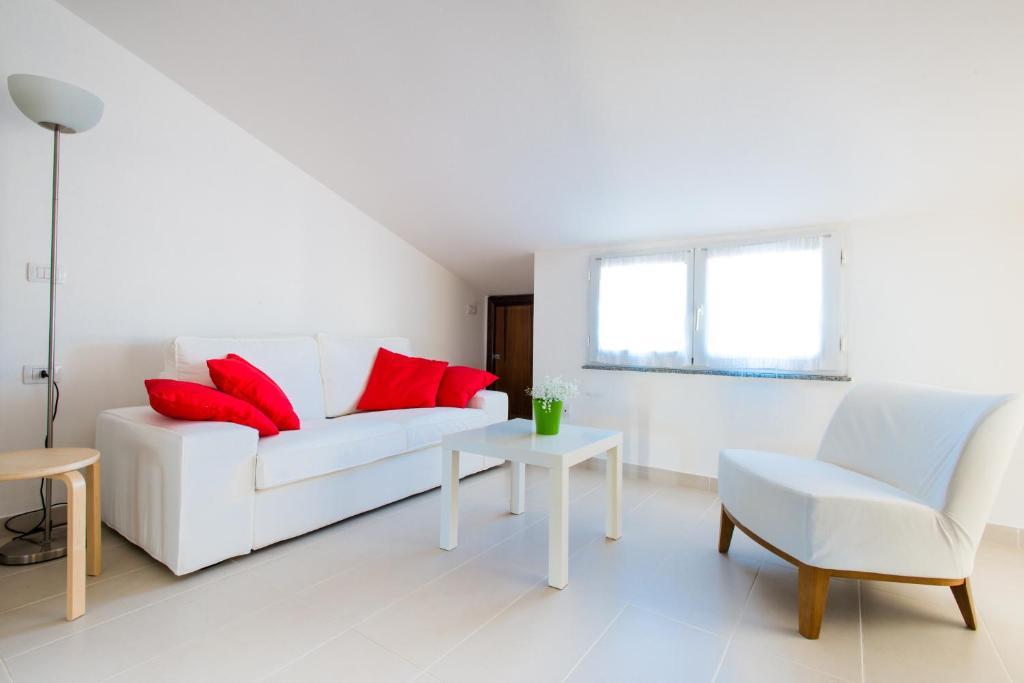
901 489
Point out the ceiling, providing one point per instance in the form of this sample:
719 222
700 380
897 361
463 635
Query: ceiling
484 130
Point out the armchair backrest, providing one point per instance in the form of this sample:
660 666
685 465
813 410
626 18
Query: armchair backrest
948 448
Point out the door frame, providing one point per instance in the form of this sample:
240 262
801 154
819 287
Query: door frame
492 303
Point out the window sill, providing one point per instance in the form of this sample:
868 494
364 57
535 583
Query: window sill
761 374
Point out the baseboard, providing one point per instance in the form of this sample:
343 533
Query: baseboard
1004 535
994 533
634 471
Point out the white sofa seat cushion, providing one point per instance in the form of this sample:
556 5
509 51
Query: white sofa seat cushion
292 362
324 446
425 426
830 517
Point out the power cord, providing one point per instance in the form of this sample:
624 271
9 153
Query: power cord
42 499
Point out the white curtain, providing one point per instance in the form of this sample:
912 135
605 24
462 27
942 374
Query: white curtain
642 310
763 306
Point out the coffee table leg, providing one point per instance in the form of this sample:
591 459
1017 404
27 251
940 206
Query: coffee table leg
613 483
75 485
558 528
449 499
517 499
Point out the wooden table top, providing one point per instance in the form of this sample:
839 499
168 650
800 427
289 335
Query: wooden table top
44 462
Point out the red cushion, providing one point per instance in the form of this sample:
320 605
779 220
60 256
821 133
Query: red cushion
191 401
237 377
460 384
398 381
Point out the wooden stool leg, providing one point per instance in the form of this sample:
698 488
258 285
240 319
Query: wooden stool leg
725 530
76 543
813 589
93 531
965 601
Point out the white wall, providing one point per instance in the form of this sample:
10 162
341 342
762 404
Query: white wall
931 299
176 221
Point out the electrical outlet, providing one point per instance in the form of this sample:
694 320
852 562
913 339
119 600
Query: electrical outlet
40 272
36 374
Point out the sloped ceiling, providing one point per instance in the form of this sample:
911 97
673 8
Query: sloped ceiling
484 130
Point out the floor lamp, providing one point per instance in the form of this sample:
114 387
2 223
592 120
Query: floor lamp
64 109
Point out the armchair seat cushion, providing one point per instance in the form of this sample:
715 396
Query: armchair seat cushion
829 517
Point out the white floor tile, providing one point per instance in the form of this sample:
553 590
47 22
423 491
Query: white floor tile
920 640
768 626
538 638
35 625
350 657
49 579
743 666
440 615
642 646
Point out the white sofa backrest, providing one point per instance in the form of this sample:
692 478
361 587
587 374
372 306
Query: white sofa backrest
292 362
346 363
948 448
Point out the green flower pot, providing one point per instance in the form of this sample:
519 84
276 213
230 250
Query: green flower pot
547 421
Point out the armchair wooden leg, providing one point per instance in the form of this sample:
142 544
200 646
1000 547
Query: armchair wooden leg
725 530
965 601
813 590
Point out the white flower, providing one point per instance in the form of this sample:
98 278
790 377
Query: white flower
553 389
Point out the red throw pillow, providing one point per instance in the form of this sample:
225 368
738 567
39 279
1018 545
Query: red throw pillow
460 384
237 377
191 401
398 381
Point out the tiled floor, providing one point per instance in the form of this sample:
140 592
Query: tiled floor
374 599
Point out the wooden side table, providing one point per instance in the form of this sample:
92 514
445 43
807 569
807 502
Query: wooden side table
85 553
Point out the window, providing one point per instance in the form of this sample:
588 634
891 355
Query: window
642 310
771 306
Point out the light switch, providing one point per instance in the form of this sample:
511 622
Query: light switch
470 309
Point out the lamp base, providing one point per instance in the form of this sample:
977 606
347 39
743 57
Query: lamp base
32 549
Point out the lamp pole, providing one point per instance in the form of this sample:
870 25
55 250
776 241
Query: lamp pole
50 365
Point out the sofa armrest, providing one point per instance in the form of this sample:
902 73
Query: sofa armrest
494 403
183 491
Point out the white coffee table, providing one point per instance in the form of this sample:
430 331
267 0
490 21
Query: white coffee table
517 441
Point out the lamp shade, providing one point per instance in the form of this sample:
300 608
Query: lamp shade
55 104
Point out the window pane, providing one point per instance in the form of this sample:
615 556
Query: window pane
642 309
763 304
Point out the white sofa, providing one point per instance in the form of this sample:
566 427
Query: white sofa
195 493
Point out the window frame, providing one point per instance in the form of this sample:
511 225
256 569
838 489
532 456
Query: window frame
834 353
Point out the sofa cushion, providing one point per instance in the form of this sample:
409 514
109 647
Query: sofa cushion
195 402
398 381
238 377
460 384
346 364
293 362
324 446
425 426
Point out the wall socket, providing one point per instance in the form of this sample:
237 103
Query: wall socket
40 272
36 374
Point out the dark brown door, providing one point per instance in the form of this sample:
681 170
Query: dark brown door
510 349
